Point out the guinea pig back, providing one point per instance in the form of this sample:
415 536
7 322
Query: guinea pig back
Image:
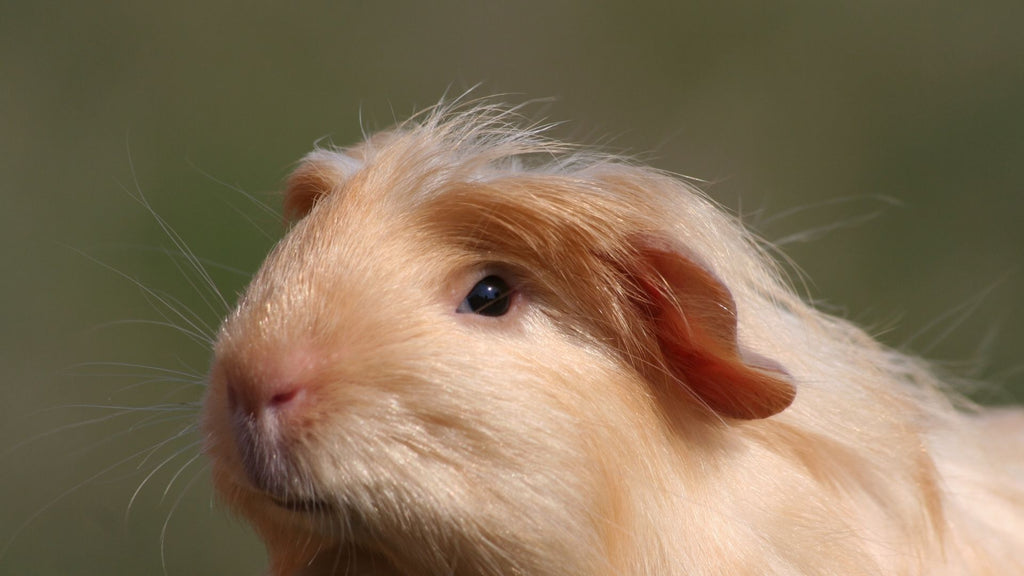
479 351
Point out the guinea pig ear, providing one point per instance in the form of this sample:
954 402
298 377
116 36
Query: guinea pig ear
321 173
694 318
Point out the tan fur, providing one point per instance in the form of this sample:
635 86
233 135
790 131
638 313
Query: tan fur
629 415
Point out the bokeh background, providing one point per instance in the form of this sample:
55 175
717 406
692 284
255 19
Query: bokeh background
880 143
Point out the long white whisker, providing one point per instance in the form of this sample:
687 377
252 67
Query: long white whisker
98 420
117 364
177 474
60 497
198 337
174 236
199 291
166 301
172 253
256 201
153 472
201 326
170 513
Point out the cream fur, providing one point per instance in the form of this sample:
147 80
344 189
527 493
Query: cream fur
560 438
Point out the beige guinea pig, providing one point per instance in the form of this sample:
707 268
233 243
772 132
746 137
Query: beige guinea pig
478 351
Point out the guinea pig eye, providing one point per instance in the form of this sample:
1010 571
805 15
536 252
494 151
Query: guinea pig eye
491 296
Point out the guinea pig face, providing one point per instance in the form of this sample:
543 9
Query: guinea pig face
454 373
387 384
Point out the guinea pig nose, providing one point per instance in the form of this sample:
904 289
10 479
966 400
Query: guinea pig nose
254 399
273 384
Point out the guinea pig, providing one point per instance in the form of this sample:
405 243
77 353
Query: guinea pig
481 351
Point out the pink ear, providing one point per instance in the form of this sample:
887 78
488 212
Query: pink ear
321 173
694 317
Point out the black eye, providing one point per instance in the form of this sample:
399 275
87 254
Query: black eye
490 297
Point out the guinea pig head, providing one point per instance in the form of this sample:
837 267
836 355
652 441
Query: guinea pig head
447 370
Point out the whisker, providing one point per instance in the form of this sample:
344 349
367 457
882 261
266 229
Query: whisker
63 495
266 208
53 432
175 254
200 292
198 337
175 238
170 513
117 364
177 474
156 469
201 327
167 302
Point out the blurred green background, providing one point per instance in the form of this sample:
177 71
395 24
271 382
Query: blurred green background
880 143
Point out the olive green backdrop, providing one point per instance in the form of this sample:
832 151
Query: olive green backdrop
880 143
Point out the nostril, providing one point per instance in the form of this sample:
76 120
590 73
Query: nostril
280 399
252 399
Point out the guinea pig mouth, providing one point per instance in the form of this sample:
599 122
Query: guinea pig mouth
311 506
322 515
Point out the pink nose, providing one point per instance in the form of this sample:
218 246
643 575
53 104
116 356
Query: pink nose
267 385
258 400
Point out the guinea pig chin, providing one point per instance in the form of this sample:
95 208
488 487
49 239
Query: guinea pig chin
268 458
